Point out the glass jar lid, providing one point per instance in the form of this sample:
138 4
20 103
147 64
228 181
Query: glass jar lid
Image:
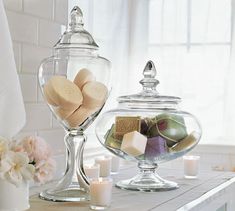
75 35
149 96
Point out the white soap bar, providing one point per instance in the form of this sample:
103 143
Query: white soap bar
134 143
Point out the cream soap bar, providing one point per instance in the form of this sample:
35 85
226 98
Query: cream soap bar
64 93
94 94
187 142
47 95
134 143
63 114
80 115
83 77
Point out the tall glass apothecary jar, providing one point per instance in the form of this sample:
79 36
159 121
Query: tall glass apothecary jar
75 82
149 129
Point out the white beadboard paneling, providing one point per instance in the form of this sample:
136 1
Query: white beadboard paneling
49 33
61 11
15 5
32 56
55 138
17 55
38 117
28 87
23 28
40 8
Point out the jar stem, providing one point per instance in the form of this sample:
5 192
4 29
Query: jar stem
74 185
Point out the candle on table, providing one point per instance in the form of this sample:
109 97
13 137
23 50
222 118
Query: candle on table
105 163
115 164
100 193
191 166
92 171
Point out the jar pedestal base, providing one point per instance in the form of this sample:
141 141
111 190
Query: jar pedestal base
153 184
147 180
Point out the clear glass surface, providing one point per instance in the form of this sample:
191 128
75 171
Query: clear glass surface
63 77
149 129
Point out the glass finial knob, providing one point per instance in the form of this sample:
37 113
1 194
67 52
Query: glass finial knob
149 82
149 70
76 16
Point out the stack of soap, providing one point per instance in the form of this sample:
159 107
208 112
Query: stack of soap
63 93
155 147
134 143
78 100
126 124
169 126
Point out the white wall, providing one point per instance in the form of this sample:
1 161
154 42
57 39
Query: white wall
35 26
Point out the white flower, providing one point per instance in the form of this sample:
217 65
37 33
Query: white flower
15 167
3 145
44 170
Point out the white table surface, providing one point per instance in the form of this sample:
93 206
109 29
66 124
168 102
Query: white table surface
188 191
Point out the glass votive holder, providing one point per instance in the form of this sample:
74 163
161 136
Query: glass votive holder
191 166
100 193
92 171
105 163
115 164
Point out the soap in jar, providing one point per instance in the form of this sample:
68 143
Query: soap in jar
169 126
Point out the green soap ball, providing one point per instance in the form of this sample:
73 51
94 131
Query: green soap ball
171 127
175 117
110 141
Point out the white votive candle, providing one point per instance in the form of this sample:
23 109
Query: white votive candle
100 193
115 164
191 166
105 163
92 171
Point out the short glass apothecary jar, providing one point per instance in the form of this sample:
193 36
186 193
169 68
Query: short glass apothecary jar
148 128
75 83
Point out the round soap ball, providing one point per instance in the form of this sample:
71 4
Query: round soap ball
94 94
80 115
82 77
64 93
